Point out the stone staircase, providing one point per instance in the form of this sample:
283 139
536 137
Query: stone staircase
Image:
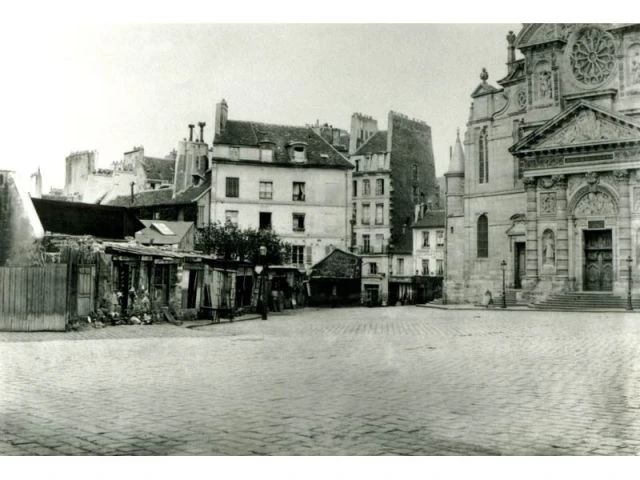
577 301
510 299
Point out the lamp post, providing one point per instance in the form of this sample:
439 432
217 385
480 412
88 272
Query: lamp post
503 266
263 282
629 304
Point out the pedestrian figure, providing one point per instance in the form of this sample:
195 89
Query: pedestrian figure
487 299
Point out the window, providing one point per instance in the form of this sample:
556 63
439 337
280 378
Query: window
232 187
299 153
483 237
366 188
297 254
309 252
425 266
400 270
483 157
231 216
354 210
355 188
366 243
425 239
265 220
380 186
357 165
298 191
379 242
381 161
440 267
367 163
365 214
373 268
379 214
266 190
234 153
266 155
298 222
440 238
156 215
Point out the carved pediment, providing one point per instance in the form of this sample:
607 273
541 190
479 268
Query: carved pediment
582 124
589 127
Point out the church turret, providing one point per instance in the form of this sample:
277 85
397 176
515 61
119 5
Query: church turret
455 180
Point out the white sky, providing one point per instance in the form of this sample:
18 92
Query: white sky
111 83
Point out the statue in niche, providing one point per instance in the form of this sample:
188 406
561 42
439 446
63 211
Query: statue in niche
544 82
635 68
548 248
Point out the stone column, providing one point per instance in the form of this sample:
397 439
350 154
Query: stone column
562 232
624 225
531 277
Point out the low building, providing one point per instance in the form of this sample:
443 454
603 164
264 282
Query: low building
428 255
335 280
174 235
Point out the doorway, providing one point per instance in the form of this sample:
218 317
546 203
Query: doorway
598 261
519 264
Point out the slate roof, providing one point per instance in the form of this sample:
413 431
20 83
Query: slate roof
144 199
431 219
319 152
163 196
149 233
338 264
377 143
158 168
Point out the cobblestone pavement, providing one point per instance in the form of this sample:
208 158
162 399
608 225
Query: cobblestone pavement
401 380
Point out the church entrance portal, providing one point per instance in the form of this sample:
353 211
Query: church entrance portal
598 255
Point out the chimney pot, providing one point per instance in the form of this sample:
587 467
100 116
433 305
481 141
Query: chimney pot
191 127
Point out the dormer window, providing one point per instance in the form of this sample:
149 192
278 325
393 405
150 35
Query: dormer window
298 151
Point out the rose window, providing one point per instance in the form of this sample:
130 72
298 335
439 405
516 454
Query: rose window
592 56
522 99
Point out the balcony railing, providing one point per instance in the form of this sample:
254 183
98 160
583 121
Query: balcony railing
373 249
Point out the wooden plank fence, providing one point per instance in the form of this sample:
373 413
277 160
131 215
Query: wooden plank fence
33 298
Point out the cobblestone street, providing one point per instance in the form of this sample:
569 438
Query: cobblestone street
402 380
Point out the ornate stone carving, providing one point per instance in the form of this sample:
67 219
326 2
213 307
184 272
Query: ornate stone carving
548 248
542 162
634 65
587 127
592 179
592 56
529 182
546 182
573 183
595 203
521 98
548 203
560 181
636 201
621 175
630 153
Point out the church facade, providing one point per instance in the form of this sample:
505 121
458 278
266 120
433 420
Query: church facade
546 190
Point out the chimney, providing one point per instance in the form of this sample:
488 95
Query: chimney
222 112
202 125
191 127
511 51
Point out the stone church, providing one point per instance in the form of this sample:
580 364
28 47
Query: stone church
547 176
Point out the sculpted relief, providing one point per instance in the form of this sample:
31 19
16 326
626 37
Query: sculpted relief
548 203
595 203
587 127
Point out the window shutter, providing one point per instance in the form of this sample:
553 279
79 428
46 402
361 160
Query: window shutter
309 258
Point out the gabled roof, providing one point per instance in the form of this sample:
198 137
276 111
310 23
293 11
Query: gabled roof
158 168
375 144
152 232
483 89
338 264
319 152
583 124
193 193
431 219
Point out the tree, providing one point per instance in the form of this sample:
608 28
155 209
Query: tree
228 242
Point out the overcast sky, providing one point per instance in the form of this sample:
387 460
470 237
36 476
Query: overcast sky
110 87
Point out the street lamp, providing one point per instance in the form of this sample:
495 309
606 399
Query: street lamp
503 266
263 283
629 304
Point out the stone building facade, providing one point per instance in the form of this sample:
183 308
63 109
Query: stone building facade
392 181
549 180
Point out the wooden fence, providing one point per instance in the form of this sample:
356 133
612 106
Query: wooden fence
33 298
